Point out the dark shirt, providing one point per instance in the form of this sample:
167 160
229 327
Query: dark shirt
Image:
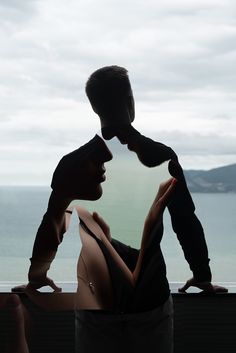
185 223
152 288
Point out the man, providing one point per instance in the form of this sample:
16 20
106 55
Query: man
110 94
122 304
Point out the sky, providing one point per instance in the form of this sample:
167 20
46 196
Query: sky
180 55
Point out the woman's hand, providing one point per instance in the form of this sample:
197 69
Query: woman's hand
154 218
160 202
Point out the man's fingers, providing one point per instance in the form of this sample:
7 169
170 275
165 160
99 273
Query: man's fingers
19 289
220 289
53 286
206 287
188 284
33 285
184 288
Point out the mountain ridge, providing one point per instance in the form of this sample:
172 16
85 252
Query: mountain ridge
216 180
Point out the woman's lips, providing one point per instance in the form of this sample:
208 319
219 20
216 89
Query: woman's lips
102 176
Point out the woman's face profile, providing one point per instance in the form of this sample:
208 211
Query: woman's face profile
80 173
91 173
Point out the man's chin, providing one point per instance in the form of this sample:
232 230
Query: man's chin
108 133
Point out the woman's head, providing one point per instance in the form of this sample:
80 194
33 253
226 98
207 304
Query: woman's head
80 173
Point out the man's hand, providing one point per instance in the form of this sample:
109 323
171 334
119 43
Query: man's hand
36 284
206 287
46 281
37 275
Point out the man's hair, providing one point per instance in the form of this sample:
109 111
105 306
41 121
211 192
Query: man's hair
108 87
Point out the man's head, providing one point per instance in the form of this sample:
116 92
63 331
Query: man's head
110 94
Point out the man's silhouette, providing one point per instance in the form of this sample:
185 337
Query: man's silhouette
110 94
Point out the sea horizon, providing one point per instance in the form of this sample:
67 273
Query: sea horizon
22 209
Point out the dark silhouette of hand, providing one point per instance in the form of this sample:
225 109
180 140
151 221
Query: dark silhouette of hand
206 287
37 285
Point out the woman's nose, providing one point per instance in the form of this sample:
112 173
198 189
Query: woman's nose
108 156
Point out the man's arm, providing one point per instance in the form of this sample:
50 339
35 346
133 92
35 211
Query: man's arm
48 237
181 208
149 152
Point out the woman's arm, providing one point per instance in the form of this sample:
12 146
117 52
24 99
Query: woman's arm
154 217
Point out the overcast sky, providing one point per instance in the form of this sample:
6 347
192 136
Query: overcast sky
180 55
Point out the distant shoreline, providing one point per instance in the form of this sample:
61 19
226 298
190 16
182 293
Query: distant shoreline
216 180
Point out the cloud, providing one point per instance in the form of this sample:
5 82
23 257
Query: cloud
200 144
180 55
15 13
185 46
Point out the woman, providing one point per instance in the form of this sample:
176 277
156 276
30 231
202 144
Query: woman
121 291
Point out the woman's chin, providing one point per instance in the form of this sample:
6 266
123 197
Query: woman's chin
92 194
95 194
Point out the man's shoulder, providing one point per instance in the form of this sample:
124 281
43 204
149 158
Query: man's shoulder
164 151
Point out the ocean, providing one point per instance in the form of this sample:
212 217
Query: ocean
124 205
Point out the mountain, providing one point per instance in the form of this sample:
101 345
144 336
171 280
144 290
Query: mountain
217 180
